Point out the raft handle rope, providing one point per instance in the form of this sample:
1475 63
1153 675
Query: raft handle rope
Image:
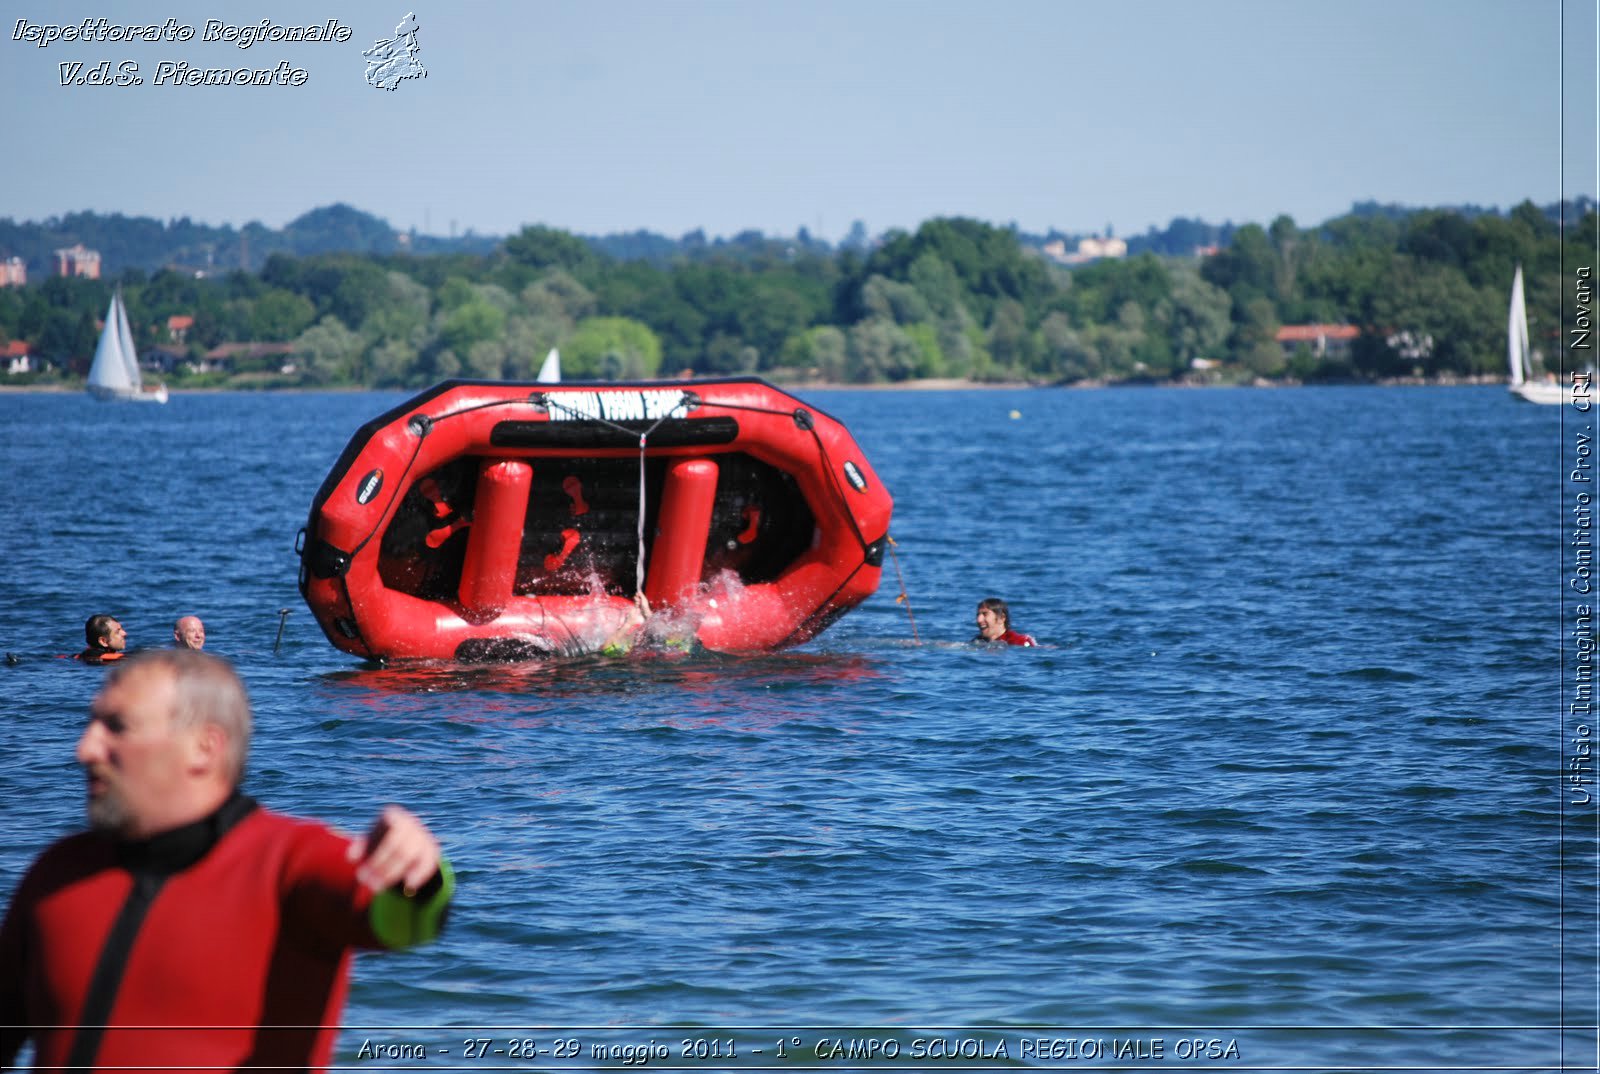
904 597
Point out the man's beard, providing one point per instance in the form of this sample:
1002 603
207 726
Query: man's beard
108 812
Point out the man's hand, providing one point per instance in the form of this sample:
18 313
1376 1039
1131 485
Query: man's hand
398 850
640 610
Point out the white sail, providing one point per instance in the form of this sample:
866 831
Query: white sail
1517 334
108 375
550 372
130 356
114 373
1519 357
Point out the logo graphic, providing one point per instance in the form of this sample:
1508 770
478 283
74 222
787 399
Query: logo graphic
391 62
852 474
369 487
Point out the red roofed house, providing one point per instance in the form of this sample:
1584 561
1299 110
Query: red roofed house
178 327
1322 339
15 358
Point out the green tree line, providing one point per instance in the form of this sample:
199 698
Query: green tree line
956 298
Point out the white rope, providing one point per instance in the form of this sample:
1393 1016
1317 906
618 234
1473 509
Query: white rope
638 566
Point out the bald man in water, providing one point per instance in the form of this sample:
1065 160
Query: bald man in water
189 633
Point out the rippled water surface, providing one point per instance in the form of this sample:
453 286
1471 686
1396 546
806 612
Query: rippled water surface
1288 757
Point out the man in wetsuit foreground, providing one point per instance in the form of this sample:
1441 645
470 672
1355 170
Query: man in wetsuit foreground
221 930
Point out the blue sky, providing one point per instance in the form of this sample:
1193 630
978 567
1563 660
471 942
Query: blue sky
611 115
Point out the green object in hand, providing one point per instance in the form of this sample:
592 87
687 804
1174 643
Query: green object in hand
399 920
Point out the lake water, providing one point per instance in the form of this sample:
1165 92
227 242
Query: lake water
1285 778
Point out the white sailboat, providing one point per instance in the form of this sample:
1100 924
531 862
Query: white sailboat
550 372
1520 358
114 374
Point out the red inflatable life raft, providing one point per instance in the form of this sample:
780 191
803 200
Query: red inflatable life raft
505 521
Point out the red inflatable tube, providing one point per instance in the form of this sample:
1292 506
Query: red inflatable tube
485 521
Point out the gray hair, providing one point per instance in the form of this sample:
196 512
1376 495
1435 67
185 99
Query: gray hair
205 690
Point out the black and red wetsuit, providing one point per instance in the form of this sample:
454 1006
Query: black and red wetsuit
241 922
1010 637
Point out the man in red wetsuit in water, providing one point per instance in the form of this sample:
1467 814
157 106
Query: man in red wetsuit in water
994 624
190 928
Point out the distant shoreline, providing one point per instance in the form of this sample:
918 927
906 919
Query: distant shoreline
948 384
930 384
